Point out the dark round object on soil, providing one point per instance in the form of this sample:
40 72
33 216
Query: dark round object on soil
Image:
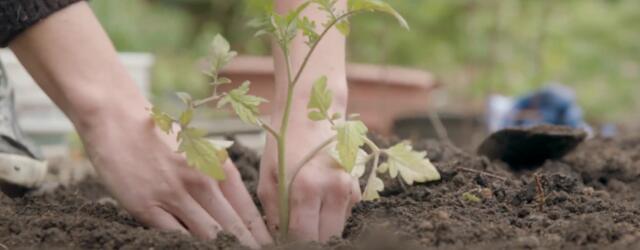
531 147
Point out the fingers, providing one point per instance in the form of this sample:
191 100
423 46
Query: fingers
356 196
238 197
334 207
305 201
161 219
268 195
209 196
197 220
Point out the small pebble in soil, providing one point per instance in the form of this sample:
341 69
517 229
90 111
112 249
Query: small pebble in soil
588 191
486 193
552 238
528 241
441 215
426 225
459 180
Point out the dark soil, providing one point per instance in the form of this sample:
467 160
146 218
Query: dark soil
590 202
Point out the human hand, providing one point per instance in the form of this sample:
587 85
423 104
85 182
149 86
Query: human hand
140 167
322 193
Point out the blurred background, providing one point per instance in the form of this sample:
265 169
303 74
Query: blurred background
461 51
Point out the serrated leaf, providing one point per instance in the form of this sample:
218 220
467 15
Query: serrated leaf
374 186
293 15
162 120
327 6
184 97
361 161
221 81
350 138
308 28
200 153
320 100
245 106
413 166
221 147
220 54
186 117
344 27
377 5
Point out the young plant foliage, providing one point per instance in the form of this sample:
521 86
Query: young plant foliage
351 136
346 146
201 153
245 105
413 166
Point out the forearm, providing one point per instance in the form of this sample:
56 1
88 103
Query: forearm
69 55
328 59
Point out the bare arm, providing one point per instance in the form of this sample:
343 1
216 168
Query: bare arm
72 59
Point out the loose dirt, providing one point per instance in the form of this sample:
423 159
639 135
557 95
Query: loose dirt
585 200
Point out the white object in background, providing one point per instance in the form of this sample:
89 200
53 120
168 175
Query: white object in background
498 107
36 112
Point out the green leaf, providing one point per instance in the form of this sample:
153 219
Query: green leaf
316 116
374 186
413 166
320 101
361 161
351 136
186 117
200 153
327 6
185 97
220 54
470 197
295 14
221 81
162 120
377 5
344 27
245 106
308 28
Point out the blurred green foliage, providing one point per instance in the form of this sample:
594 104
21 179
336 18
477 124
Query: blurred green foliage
476 47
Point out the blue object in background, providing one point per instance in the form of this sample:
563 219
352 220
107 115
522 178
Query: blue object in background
554 104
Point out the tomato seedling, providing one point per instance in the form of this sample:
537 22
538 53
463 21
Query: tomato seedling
350 134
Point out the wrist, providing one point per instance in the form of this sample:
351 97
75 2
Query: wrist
100 109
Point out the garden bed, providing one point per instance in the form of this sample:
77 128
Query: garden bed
591 202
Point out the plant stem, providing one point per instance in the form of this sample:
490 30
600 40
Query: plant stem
372 145
313 47
310 156
283 187
374 169
204 101
283 184
269 129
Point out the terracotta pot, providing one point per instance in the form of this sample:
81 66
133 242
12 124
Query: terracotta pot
380 94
